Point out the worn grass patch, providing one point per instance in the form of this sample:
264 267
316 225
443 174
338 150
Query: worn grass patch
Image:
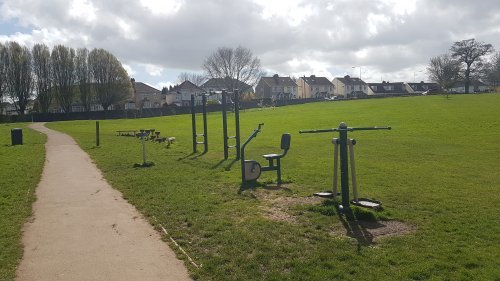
20 170
436 174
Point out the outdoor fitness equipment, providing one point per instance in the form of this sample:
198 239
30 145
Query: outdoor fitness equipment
236 101
251 169
346 144
193 121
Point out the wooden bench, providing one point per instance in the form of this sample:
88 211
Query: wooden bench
127 133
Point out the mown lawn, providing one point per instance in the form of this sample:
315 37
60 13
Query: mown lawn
437 171
20 170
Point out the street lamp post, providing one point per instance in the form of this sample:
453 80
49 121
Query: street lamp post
359 71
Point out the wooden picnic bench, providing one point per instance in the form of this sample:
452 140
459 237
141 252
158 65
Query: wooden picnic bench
127 133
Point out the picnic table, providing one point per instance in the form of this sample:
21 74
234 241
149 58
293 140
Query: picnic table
127 133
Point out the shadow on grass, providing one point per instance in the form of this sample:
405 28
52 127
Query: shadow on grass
187 156
356 222
230 165
252 185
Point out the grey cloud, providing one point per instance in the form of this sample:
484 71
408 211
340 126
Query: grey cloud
184 39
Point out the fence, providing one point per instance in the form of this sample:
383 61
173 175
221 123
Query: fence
135 113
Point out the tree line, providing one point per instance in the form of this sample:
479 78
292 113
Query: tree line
467 61
62 75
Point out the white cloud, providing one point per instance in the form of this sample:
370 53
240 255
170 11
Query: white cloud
160 39
162 7
128 68
294 12
153 70
83 10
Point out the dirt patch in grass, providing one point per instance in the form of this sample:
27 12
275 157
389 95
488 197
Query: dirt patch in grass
278 208
369 232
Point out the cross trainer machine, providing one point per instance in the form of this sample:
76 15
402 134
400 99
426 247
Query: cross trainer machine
193 122
251 169
236 137
346 146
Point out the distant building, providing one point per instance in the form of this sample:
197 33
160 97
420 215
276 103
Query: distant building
276 88
145 97
419 88
474 87
348 87
388 88
180 95
314 87
219 84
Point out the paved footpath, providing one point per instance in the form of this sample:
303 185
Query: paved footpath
82 229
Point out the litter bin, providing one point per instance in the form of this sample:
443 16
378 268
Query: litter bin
16 135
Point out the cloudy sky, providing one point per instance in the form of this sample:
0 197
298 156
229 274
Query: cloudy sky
158 39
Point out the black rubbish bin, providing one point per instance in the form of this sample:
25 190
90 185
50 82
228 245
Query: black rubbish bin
16 135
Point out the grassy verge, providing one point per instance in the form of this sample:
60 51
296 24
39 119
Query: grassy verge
436 171
20 170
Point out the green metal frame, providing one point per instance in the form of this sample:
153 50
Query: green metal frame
343 143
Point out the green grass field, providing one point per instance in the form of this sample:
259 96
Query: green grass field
20 170
437 172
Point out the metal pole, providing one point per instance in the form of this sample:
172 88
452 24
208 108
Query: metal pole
237 121
353 170
205 129
224 124
193 122
143 151
344 166
335 142
97 133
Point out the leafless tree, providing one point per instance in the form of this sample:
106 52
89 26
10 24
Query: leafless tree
112 84
493 70
444 70
83 78
195 78
63 66
43 77
3 72
236 64
19 75
470 53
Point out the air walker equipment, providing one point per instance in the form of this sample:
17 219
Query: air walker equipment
193 122
236 137
346 147
251 169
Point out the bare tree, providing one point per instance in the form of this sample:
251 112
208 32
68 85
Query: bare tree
493 70
63 64
444 70
83 78
19 75
236 64
195 78
111 81
43 77
3 72
470 53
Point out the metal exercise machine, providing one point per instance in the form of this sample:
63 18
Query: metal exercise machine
346 146
193 122
236 137
251 169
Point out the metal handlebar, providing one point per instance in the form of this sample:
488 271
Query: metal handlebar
349 129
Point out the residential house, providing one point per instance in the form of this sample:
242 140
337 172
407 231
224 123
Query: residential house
180 95
145 97
348 87
474 87
419 88
314 87
216 85
276 88
388 88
